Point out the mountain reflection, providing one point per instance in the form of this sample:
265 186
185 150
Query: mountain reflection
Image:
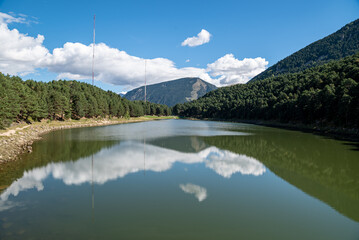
126 158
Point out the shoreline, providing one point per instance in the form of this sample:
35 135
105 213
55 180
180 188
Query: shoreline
17 140
333 132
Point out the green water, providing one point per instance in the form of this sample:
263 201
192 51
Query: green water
179 179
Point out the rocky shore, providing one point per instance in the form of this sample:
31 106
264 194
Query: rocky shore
19 139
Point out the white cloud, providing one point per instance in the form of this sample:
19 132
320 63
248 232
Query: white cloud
114 66
203 37
6 18
230 70
188 60
21 54
73 61
199 192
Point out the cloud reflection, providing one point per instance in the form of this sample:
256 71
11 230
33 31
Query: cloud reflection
226 163
126 158
6 205
199 192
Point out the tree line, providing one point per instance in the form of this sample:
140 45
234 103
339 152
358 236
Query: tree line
59 100
327 94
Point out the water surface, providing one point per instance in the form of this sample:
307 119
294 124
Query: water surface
180 179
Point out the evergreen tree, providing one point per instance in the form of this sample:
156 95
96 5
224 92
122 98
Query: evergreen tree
60 100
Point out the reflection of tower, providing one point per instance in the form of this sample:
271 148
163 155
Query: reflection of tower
93 195
144 148
144 131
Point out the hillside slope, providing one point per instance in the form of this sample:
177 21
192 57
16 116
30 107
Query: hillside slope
172 92
326 94
344 42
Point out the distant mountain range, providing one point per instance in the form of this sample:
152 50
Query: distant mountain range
344 42
172 92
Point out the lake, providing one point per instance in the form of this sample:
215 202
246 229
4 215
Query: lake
181 179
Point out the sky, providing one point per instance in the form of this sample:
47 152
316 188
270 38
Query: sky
223 42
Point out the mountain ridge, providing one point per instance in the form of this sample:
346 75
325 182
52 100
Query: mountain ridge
173 91
342 43
325 95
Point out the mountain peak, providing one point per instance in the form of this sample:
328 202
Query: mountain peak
172 92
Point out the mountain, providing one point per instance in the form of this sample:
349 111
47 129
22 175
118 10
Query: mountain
325 95
344 42
172 92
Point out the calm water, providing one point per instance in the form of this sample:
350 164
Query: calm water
179 179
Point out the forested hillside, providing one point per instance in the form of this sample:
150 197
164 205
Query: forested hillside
172 92
327 94
32 101
344 42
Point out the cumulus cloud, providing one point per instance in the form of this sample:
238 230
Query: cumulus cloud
117 67
21 54
203 37
230 70
114 66
199 192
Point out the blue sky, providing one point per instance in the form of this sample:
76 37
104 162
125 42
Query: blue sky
270 30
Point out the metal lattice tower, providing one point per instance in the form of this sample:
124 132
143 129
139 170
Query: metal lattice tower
145 82
93 49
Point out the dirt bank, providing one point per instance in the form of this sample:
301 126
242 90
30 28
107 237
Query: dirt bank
18 139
